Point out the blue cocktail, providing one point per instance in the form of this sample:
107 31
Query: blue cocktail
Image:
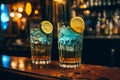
41 45
70 45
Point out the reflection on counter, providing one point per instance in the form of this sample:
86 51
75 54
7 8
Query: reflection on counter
22 68
5 61
14 63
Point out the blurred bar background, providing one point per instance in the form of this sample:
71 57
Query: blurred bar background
101 36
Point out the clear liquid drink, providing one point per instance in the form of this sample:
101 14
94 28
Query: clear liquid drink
70 43
41 44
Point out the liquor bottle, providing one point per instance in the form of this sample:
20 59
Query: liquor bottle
103 22
118 26
98 25
99 16
87 4
95 2
115 29
91 3
99 2
109 2
115 20
106 31
110 27
98 29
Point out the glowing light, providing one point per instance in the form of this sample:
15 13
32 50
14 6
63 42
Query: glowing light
23 20
4 13
59 1
14 64
20 9
2 6
4 26
28 8
5 61
21 66
12 14
19 15
87 12
4 16
36 12
83 6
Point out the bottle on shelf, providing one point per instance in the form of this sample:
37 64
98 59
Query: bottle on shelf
91 3
110 27
115 21
109 2
96 2
106 31
98 29
98 25
103 23
106 21
118 26
99 2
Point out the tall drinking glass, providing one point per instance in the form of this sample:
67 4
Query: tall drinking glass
70 42
41 42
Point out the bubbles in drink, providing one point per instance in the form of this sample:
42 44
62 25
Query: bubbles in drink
37 36
68 37
70 46
41 45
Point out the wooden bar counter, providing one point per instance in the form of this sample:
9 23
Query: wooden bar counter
21 68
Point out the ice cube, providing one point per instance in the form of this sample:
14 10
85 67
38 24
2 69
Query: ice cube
66 36
43 40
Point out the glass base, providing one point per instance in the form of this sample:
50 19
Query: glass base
41 62
69 65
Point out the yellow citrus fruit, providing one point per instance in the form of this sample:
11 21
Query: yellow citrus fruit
46 27
77 24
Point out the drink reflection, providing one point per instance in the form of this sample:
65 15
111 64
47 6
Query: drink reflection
18 63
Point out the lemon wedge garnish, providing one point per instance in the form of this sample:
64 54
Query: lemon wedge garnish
77 24
46 27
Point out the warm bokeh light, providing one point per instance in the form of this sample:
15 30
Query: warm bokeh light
59 1
17 5
12 14
87 12
83 6
21 66
36 12
23 20
20 9
19 15
14 64
28 8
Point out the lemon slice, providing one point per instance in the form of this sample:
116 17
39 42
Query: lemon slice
77 24
46 27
